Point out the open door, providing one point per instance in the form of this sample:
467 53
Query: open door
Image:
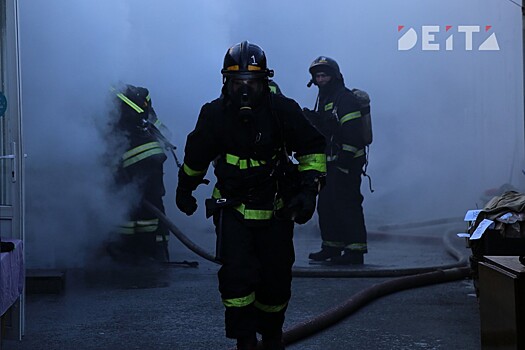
11 150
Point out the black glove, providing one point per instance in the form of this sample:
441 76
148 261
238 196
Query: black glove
302 206
185 201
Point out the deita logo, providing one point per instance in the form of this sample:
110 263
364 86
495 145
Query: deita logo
431 40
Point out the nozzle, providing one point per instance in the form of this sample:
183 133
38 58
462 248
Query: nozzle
310 83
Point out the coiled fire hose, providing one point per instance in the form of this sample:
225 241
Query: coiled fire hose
407 279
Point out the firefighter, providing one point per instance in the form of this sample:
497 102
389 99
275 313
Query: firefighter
338 117
248 133
140 168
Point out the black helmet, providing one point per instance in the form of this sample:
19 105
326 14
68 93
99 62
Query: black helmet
245 61
327 65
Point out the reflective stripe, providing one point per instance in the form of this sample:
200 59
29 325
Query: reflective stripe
359 153
141 152
269 308
349 148
147 225
161 238
252 214
243 163
328 106
312 162
190 172
239 302
130 103
141 148
331 158
350 116
132 227
357 247
142 156
273 89
334 244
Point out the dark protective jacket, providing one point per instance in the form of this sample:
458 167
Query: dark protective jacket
142 165
248 153
339 120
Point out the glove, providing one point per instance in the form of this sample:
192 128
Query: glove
185 201
302 206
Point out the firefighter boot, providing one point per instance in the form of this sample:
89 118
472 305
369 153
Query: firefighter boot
325 253
247 343
350 257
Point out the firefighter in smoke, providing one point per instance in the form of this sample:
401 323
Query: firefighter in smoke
140 168
338 116
247 133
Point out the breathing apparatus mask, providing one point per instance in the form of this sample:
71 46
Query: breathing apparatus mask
246 94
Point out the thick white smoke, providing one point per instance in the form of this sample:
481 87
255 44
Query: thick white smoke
448 124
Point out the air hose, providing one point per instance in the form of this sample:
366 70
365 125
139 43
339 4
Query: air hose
178 233
355 302
327 272
409 278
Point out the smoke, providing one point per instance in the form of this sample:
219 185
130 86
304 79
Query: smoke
448 125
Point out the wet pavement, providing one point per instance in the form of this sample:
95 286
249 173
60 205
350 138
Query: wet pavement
151 307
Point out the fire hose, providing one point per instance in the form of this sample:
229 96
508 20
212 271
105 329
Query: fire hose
406 279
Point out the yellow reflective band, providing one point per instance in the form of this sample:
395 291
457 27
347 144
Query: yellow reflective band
190 172
243 163
148 98
312 162
235 67
273 89
254 214
132 227
350 116
161 238
250 67
356 246
328 106
139 149
359 153
332 158
269 308
157 123
334 244
130 103
349 148
126 228
133 156
239 302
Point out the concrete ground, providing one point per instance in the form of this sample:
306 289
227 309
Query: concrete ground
110 307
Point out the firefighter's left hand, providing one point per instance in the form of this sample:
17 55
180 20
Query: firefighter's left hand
302 206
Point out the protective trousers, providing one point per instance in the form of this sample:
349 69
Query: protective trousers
256 273
340 209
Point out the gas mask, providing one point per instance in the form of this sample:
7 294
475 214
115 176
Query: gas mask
245 94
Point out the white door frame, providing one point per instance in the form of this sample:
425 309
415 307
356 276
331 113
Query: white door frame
11 149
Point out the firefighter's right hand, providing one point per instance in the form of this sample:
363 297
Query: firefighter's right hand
185 201
302 206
